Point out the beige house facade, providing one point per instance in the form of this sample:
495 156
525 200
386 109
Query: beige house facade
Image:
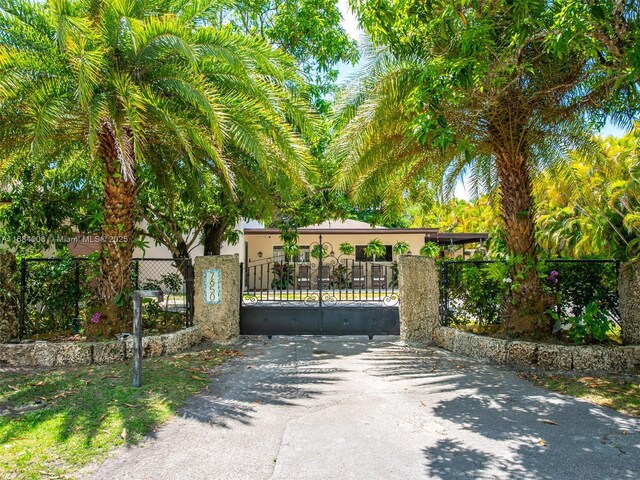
263 252
265 243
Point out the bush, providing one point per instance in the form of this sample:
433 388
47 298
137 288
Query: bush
282 276
591 326
474 296
430 249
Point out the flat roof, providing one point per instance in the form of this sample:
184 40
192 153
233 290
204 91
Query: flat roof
334 231
431 234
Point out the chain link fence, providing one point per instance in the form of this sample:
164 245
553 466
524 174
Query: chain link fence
56 294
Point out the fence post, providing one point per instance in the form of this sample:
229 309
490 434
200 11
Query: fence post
188 282
445 294
320 273
138 295
242 281
136 269
76 318
23 288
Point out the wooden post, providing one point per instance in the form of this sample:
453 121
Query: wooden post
138 295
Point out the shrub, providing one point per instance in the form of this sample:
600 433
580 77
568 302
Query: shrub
591 326
430 249
282 276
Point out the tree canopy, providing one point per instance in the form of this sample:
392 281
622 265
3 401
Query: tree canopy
133 83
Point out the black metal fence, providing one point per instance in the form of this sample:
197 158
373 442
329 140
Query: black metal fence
327 281
472 291
55 293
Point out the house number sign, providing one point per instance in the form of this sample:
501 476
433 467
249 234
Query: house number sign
212 290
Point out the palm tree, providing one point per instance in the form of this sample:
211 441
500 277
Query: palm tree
497 135
590 207
136 83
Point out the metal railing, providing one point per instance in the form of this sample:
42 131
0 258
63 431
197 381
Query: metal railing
326 282
55 293
470 292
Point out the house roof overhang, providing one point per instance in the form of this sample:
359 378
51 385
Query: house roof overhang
430 234
446 238
343 231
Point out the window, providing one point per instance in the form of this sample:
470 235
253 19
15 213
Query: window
303 256
361 257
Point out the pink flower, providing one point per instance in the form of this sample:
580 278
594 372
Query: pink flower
96 317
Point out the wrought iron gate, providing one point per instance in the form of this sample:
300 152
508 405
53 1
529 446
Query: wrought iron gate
324 294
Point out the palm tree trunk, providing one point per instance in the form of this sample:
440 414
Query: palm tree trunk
524 306
118 219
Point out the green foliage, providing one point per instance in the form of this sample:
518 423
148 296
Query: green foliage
315 251
157 319
430 249
47 204
291 250
401 248
309 30
578 284
475 293
283 275
148 93
347 249
51 294
591 326
589 206
375 249
584 293
341 277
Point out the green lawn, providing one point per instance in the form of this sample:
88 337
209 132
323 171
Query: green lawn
609 391
90 410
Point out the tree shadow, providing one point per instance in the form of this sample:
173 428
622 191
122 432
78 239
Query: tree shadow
275 373
500 426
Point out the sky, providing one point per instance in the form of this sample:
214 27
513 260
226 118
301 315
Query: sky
350 25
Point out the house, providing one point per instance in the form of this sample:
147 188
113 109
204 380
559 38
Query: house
265 243
266 267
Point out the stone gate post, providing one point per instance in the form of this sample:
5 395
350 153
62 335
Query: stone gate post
419 298
9 295
217 297
629 292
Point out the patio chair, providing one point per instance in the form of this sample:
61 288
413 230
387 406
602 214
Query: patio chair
324 276
378 276
304 276
358 278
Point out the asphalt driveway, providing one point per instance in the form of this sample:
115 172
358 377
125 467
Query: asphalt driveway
351 408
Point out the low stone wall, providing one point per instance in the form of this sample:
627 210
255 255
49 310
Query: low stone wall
625 359
48 354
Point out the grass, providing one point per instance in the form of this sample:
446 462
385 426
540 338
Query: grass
619 394
90 410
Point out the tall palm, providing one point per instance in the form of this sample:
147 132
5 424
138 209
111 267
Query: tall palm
499 137
140 82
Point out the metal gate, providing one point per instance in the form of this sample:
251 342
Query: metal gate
319 293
